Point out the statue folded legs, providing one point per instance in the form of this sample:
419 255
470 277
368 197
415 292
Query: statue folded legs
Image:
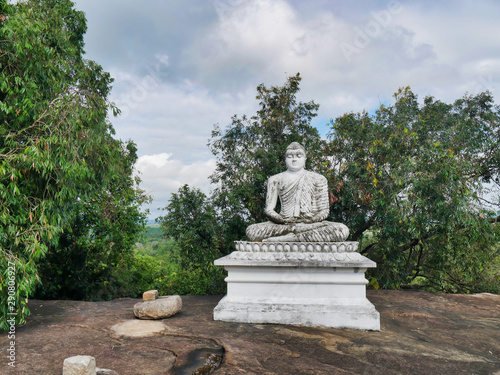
324 231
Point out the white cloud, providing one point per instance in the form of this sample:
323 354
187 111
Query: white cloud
266 39
183 66
462 37
262 41
162 175
176 118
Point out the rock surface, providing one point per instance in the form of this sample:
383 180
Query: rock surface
79 365
161 308
138 328
421 333
150 295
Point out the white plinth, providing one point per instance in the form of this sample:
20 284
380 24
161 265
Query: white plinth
303 287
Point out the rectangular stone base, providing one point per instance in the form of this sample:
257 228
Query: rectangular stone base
338 314
321 290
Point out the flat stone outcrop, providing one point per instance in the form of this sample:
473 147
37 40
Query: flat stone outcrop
137 328
160 308
421 333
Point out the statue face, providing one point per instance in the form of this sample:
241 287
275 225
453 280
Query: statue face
295 160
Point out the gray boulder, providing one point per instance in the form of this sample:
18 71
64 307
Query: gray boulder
160 308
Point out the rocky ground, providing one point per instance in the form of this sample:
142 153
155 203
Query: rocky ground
422 333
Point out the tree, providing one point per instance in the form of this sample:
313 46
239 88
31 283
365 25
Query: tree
251 149
409 182
95 248
191 220
56 147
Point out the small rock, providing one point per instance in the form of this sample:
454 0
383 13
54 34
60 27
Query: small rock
150 295
79 365
103 371
158 308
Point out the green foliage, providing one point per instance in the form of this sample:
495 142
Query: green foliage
409 182
143 273
205 280
153 233
56 147
174 276
412 176
99 239
190 220
153 244
193 223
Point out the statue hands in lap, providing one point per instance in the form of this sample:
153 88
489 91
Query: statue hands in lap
304 205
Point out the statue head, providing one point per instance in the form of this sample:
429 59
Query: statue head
295 157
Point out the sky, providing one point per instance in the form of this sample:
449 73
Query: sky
180 67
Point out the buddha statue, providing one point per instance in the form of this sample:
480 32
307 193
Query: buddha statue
304 205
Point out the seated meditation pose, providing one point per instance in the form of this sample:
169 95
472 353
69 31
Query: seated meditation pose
304 204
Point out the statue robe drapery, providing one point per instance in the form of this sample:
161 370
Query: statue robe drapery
304 208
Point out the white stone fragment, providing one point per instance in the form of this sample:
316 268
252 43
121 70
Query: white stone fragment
79 365
150 295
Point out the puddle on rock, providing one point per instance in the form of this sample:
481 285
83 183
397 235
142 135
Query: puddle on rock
202 361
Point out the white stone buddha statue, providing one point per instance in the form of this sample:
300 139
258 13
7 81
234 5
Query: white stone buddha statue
304 203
